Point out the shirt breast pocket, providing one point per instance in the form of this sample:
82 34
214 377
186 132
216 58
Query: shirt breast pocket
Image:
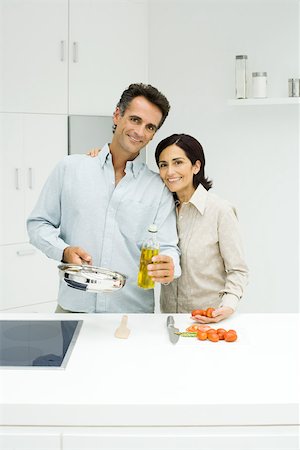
133 219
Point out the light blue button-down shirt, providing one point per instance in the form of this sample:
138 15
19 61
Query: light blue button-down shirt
80 205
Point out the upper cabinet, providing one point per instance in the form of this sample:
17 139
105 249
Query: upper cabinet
108 50
34 59
76 56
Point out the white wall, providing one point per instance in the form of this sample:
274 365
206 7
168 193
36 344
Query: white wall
251 152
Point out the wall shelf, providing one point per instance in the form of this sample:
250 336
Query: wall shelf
265 101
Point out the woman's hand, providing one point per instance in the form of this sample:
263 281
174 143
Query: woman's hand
217 315
94 152
163 269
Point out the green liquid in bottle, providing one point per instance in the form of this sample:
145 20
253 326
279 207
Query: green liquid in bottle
144 281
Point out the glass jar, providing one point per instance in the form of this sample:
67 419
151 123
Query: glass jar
259 84
241 76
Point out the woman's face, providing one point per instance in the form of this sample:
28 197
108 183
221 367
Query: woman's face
177 171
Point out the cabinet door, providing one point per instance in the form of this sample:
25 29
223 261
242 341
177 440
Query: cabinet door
30 146
34 73
45 143
183 438
108 50
26 440
27 276
12 200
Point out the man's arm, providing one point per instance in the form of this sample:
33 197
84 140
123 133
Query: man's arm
44 222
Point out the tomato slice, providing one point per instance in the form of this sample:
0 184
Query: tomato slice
198 327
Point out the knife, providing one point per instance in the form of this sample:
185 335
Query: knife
172 330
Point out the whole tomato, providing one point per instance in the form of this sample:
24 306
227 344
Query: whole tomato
196 312
230 336
221 333
209 312
213 337
202 335
212 331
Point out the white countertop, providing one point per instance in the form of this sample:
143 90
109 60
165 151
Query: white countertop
146 380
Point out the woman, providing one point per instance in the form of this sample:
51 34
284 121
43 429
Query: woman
214 273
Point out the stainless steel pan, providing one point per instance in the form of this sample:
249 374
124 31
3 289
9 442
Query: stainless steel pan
91 278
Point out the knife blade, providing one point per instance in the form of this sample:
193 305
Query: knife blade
172 330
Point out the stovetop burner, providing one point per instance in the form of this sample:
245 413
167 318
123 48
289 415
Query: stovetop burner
37 343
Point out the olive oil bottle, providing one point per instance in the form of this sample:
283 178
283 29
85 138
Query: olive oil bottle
150 248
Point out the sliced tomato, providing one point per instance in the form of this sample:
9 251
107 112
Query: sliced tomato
198 327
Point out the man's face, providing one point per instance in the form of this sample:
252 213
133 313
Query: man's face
137 126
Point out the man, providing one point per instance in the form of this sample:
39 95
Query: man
97 210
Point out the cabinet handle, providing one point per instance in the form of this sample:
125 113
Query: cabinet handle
75 52
30 178
25 252
62 51
17 178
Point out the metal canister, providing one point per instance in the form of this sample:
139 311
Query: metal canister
294 87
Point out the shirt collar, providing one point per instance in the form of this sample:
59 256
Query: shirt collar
104 155
135 166
199 198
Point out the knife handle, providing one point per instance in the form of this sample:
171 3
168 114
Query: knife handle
170 321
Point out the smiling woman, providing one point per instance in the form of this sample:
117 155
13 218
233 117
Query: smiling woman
214 273
177 171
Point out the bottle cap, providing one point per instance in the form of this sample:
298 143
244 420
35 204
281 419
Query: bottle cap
152 228
241 57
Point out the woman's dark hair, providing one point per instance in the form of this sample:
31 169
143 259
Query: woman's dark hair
150 93
193 150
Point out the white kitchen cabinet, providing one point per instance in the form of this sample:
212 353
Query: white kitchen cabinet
150 438
34 72
27 277
31 145
108 50
182 438
18 439
41 67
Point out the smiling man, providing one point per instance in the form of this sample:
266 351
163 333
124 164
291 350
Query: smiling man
97 210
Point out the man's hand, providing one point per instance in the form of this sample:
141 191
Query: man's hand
217 315
162 271
76 255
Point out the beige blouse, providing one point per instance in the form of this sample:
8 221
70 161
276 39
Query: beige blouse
214 271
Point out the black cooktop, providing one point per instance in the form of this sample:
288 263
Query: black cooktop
37 343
